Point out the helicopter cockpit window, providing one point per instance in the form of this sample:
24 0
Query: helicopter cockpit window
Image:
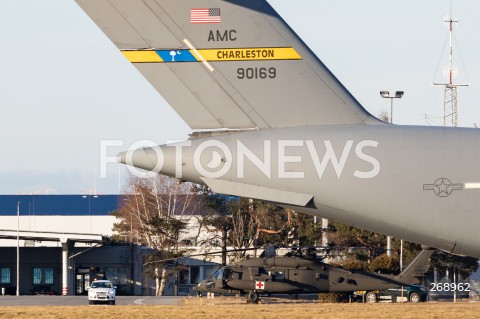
227 273
218 274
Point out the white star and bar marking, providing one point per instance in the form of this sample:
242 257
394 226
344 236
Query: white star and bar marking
442 187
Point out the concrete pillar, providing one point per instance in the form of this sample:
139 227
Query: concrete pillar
65 268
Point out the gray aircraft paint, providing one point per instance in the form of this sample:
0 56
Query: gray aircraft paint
393 202
409 197
218 99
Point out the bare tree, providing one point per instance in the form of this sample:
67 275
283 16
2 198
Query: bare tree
384 116
151 215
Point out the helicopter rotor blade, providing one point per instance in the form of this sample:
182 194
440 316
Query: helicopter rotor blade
200 254
236 250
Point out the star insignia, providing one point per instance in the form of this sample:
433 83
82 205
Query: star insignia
442 187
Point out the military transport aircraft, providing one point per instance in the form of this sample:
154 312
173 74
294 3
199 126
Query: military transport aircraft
271 122
304 274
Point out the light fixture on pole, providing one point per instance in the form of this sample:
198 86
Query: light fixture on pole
386 95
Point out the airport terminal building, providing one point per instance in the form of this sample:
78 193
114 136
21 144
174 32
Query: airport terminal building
63 245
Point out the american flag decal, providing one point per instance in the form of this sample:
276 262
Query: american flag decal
205 15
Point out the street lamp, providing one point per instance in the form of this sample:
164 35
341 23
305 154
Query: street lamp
386 95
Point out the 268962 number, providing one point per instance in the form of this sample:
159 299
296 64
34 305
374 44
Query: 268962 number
256 73
450 287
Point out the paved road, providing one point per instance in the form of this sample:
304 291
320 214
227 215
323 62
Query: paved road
83 300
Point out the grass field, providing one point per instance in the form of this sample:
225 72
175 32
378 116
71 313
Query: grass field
224 309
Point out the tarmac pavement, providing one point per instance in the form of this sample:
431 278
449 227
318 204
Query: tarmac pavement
83 300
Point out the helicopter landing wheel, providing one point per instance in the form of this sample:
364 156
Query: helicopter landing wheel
253 297
371 297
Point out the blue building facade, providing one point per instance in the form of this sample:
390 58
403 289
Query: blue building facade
59 205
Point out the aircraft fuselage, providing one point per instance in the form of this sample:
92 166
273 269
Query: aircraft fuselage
417 183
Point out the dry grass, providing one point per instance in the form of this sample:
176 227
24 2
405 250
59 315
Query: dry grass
233 309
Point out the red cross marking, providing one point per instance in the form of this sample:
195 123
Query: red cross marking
260 285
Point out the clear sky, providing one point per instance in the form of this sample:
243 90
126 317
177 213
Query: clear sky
64 86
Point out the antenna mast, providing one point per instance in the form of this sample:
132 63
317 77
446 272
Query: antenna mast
450 101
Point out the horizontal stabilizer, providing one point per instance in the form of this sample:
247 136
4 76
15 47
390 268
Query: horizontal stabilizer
257 192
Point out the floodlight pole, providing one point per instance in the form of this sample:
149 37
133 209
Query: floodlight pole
386 95
18 249
401 255
391 110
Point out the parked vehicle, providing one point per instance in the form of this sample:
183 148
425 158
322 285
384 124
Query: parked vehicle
101 291
413 293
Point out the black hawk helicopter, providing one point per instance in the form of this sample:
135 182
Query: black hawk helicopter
297 273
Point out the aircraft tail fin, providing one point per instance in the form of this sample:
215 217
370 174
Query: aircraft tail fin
228 64
417 268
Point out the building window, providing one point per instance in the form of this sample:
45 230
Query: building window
4 275
194 275
42 276
48 275
37 276
208 271
183 276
